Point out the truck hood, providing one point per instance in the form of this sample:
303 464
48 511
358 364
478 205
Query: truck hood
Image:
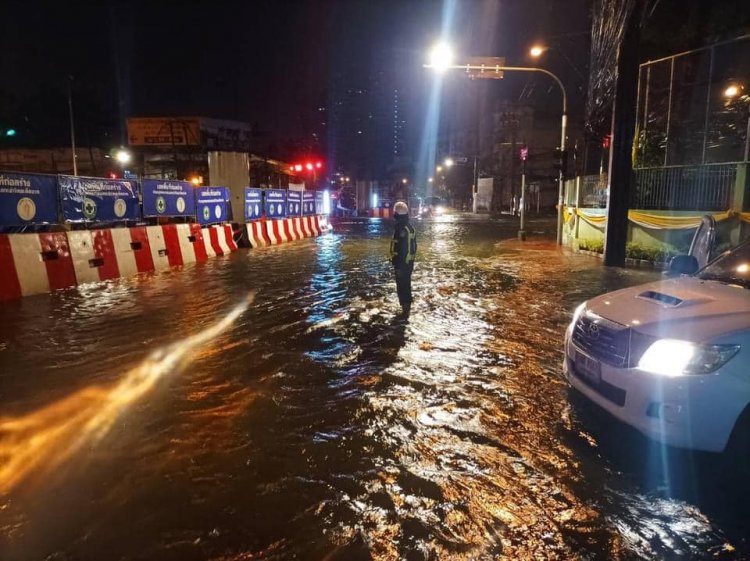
681 308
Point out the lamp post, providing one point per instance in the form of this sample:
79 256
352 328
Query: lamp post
441 59
72 125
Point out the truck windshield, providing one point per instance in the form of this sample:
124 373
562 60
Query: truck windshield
733 267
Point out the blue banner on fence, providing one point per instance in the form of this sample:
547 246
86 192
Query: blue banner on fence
253 203
275 203
293 203
93 199
167 198
27 199
211 204
319 202
308 203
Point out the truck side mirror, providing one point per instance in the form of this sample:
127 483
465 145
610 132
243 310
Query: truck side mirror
683 265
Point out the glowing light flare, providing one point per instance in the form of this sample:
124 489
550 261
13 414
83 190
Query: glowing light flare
309 166
319 165
732 91
123 156
298 167
743 268
537 50
40 442
441 57
196 180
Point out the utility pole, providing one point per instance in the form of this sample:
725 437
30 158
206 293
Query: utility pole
72 125
623 130
522 203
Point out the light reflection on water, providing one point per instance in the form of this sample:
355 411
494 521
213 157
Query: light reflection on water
320 427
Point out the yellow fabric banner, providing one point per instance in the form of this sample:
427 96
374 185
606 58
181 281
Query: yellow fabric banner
654 221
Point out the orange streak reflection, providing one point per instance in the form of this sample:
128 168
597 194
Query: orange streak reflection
44 439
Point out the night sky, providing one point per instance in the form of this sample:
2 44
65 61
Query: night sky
270 63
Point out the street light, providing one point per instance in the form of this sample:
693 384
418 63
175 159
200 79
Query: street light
123 156
429 180
537 50
404 181
439 169
441 57
448 162
442 63
732 91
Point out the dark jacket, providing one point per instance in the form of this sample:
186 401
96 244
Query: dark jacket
404 244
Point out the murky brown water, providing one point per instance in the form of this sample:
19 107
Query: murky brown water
318 427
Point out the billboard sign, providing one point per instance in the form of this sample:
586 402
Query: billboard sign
167 198
27 199
253 203
164 131
93 199
275 203
308 203
293 203
211 204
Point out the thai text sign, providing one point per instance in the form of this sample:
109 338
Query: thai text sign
27 199
92 199
275 203
167 198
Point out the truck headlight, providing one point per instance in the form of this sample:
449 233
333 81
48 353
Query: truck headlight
673 357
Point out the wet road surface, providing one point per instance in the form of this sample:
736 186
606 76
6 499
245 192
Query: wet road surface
318 426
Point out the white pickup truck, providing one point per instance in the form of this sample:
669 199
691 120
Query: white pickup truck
671 358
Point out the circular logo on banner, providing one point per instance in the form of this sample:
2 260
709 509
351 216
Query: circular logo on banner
26 209
180 204
89 209
249 211
206 213
272 210
161 205
121 207
279 209
217 211
257 210
296 208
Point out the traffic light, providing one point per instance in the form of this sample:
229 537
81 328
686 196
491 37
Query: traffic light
561 161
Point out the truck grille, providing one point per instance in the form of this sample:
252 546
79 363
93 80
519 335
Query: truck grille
603 339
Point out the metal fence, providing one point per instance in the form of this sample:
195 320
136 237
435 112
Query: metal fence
694 107
706 187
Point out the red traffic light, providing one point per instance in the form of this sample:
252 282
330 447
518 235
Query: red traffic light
309 166
298 167
319 165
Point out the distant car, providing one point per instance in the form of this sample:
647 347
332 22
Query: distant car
433 206
671 358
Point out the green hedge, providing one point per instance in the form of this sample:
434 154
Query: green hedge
659 254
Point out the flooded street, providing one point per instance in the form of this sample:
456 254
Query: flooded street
318 426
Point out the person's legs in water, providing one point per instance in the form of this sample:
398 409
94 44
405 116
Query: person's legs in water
403 288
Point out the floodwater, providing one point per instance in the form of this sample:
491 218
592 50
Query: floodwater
318 426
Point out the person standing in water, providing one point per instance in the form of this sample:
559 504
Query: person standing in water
403 251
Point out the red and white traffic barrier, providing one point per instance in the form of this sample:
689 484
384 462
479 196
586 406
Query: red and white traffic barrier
288 225
381 213
110 254
39 263
34 264
275 231
220 240
256 234
305 227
